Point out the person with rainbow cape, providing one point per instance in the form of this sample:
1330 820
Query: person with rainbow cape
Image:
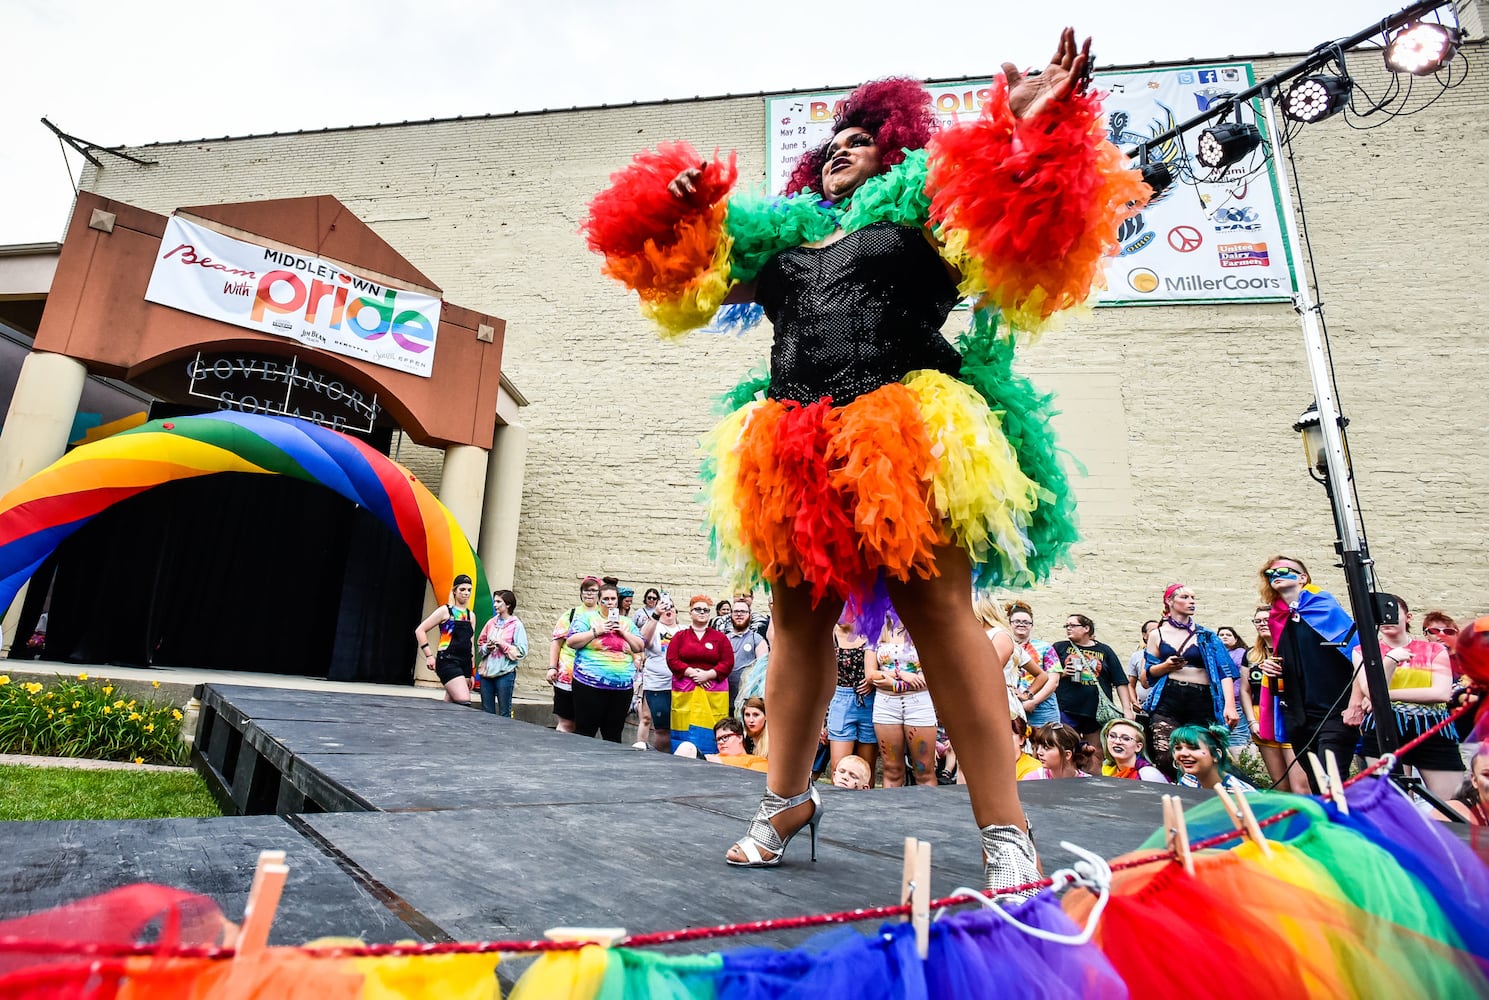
877 463
1315 640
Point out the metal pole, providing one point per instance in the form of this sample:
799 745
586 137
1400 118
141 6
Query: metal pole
1354 557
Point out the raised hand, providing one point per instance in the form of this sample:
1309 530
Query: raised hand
684 185
1068 72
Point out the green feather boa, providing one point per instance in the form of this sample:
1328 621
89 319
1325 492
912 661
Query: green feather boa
763 226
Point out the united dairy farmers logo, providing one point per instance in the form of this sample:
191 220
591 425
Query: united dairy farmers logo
1243 255
329 299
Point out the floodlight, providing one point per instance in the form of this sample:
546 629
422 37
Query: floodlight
1224 144
1421 48
1157 176
1314 98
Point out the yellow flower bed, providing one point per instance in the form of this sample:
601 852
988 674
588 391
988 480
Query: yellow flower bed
73 718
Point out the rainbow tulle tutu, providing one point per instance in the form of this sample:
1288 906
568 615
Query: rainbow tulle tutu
1379 903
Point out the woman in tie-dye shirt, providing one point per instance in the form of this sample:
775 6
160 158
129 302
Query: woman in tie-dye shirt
604 643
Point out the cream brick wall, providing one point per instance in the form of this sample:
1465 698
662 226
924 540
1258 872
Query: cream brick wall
1181 414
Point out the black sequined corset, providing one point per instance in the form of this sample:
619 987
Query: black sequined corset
856 314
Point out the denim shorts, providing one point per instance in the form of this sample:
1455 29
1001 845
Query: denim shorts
849 720
660 703
1240 733
1046 711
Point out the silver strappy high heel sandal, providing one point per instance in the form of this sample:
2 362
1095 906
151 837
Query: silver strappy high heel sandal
763 837
1008 860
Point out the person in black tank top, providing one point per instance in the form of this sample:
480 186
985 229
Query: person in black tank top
1182 678
453 661
850 714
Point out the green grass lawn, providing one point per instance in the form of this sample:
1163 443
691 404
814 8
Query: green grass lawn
71 793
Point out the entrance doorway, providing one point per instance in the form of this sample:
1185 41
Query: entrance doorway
233 571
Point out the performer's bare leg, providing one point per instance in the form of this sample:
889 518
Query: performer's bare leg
966 683
798 687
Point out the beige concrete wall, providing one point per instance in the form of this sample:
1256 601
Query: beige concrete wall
1181 414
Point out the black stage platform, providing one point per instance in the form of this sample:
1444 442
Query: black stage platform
407 818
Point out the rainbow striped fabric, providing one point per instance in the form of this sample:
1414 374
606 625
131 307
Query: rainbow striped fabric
37 515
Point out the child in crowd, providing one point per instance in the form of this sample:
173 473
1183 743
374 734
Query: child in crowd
1026 763
1056 746
852 772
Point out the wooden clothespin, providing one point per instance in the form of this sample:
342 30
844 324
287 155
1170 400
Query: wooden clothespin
605 937
1230 808
1177 831
1336 783
1245 819
263 902
1320 775
915 889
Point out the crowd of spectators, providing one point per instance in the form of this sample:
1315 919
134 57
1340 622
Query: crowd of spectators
1191 704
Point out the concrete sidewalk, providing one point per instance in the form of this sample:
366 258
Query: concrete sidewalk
83 763
178 684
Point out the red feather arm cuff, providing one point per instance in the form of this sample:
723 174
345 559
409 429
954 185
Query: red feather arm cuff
673 252
1029 207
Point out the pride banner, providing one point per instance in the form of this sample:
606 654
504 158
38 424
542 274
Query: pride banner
287 294
1210 237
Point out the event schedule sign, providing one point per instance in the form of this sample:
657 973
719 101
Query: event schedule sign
1218 238
285 294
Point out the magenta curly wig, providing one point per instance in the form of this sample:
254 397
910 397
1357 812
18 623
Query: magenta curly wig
898 113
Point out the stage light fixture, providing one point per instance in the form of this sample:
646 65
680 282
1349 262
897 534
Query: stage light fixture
1226 143
1421 48
1157 176
1314 98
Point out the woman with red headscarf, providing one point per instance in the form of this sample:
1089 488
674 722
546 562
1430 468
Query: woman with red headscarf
877 462
1190 676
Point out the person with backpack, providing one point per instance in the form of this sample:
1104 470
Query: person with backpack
561 655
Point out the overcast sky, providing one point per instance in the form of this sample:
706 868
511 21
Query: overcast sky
128 72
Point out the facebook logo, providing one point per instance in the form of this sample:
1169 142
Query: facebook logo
1208 76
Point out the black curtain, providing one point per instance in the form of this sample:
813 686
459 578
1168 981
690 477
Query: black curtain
235 571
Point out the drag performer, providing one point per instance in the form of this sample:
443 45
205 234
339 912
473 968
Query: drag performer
878 463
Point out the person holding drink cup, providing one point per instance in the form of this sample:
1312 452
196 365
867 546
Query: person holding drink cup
1093 682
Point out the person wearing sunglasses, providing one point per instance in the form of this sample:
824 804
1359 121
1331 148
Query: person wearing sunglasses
701 660
1315 640
1440 627
1421 683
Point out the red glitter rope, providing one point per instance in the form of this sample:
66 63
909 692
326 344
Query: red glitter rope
96 949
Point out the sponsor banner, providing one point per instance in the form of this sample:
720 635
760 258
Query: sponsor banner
1218 239
293 295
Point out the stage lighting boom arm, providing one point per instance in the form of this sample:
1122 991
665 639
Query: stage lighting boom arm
1316 60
